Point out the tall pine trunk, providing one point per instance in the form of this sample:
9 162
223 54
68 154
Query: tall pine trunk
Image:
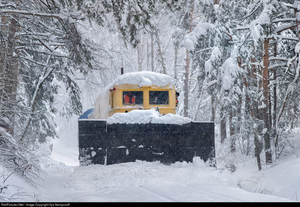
265 108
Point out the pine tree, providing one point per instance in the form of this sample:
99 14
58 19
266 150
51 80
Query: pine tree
40 49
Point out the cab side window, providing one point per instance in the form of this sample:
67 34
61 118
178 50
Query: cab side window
132 97
158 97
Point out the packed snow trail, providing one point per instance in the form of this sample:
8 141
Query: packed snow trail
143 182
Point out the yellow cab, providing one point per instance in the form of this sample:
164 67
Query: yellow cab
137 90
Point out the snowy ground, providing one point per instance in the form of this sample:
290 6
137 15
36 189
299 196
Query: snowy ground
64 181
154 182
144 182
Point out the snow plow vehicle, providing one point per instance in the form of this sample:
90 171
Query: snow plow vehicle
134 118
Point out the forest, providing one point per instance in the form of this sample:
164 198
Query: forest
235 63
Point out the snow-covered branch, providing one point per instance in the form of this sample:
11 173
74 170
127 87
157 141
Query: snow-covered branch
284 20
289 90
284 27
75 16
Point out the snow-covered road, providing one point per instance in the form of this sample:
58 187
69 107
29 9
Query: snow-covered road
170 193
144 182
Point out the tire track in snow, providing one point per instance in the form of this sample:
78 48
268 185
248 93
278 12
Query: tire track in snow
186 194
167 198
214 194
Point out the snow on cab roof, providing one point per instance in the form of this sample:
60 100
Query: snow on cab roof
144 78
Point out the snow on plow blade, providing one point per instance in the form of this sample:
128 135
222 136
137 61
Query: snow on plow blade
102 143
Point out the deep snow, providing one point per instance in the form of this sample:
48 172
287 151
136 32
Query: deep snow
64 180
140 181
144 182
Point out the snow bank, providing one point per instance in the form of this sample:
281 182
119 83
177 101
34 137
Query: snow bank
279 179
147 116
14 188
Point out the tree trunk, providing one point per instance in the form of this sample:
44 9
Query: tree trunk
139 54
213 109
187 72
175 61
9 71
148 58
152 52
257 151
265 109
231 131
254 112
223 130
160 51
297 15
216 1
186 85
